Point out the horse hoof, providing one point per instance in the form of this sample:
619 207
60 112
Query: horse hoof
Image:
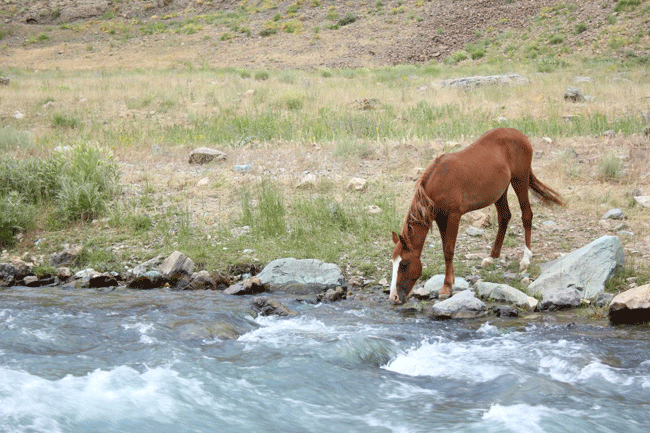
444 295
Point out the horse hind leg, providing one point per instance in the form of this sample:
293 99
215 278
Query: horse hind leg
503 212
521 189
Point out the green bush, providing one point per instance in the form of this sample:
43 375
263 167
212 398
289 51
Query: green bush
16 215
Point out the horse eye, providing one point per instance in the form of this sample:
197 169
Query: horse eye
403 266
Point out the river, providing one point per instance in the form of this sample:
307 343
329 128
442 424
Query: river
165 361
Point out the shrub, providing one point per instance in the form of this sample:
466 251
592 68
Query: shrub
580 28
16 214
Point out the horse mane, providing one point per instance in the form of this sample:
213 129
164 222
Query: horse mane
422 207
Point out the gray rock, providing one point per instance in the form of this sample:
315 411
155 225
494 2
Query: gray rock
250 286
7 275
105 279
147 280
65 257
332 295
306 276
176 266
31 281
614 214
431 288
463 305
603 300
631 306
475 232
586 269
642 200
203 155
201 280
563 299
574 94
506 293
505 311
149 265
270 307
490 80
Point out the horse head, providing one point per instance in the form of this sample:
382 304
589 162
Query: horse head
407 268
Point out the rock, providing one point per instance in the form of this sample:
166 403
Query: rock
203 155
332 295
21 267
563 299
574 94
505 311
67 256
7 275
4 81
243 168
586 269
631 306
307 181
474 232
357 184
603 300
614 214
431 288
176 266
642 200
463 305
105 279
149 265
63 273
147 280
31 281
201 280
250 286
306 276
491 80
270 307
506 293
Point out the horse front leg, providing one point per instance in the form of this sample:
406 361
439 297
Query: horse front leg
448 226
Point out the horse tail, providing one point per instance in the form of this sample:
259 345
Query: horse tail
546 194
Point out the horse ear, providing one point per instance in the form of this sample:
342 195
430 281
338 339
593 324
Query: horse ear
395 238
405 245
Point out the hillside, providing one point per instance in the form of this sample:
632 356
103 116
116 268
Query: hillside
315 34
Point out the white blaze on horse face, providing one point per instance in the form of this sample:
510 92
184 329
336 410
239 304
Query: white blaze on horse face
393 283
525 261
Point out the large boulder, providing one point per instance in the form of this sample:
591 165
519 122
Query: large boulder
631 306
586 269
463 305
506 293
306 276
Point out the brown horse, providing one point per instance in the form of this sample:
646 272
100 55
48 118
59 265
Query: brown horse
457 183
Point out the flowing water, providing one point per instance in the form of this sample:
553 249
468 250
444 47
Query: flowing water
164 361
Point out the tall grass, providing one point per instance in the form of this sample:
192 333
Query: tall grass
64 188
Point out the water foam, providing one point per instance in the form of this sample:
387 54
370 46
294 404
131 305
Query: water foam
452 359
102 397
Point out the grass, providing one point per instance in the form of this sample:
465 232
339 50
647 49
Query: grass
282 123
